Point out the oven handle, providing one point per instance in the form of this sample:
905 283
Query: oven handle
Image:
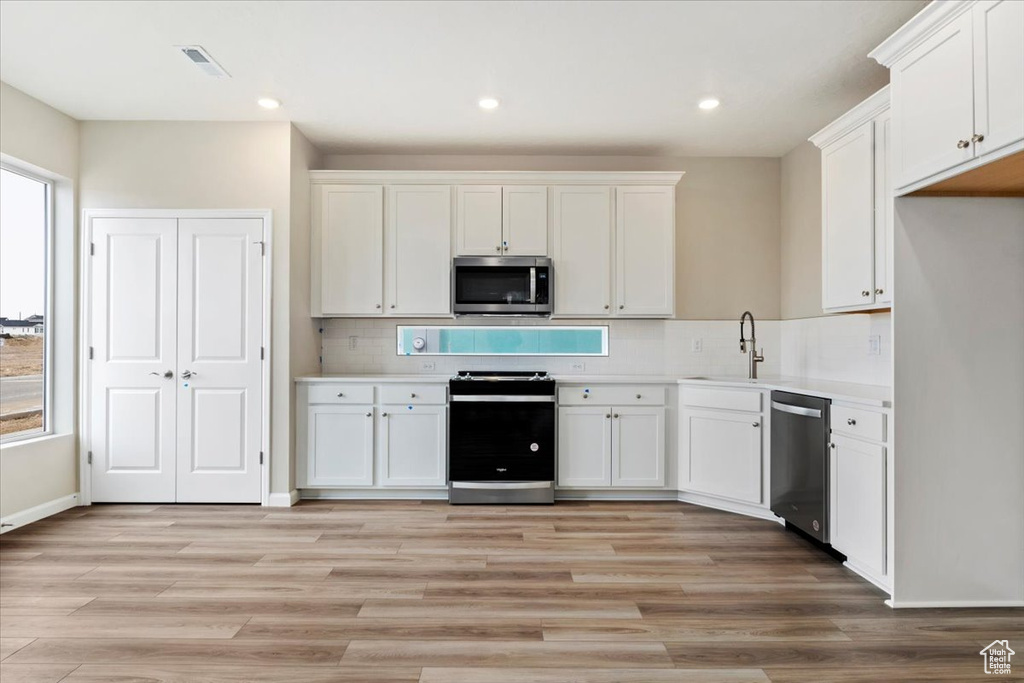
533 285
490 398
796 410
501 484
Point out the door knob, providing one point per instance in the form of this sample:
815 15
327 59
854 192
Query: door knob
188 374
963 144
166 375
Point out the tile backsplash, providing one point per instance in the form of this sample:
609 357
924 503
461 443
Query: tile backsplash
832 348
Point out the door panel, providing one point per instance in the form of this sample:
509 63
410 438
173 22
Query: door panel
584 447
723 454
352 265
220 322
638 447
478 220
340 446
858 502
998 73
413 445
525 220
419 246
645 250
133 302
582 250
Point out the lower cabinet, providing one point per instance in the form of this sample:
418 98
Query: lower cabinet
857 503
340 445
722 454
413 445
611 446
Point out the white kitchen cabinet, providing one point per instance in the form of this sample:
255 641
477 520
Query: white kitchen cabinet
722 454
857 208
582 250
957 75
600 446
857 502
645 251
418 248
495 220
339 445
413 446
584 446
638 446
351 250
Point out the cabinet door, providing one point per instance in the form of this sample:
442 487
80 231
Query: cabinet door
857 502
722 454
998 73
352 256
478 220
524 220
582 250
645 250
413 446
584 446
933 104
884 214
638 446
419 250
340 443
847 204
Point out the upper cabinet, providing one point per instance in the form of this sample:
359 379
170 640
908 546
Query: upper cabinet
856 208
957 76
495 220
382 241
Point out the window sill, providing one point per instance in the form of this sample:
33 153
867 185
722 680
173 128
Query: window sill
32 440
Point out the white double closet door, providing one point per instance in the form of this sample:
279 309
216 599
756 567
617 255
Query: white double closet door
176 400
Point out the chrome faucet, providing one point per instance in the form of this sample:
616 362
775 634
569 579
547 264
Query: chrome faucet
754 358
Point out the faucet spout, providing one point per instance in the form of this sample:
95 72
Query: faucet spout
754 358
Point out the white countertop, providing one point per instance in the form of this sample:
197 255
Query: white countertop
848 392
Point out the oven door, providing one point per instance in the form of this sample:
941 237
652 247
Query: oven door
501 285
501 440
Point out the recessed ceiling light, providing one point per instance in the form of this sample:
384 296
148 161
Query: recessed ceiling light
489 103
709 103
268 102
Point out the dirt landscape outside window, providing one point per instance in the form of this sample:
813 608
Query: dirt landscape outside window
21 385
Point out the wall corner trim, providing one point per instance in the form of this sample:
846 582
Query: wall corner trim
38 512
283 500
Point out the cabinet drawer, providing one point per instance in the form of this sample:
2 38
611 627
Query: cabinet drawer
722 399
864 424
414 394
612 394
341 393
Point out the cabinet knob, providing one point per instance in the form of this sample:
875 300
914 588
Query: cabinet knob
412 395
832 445
621 306
879 291
977 137
497 248
963 144
638 395
341 395
586 396
866 292
378 305
392 305
369 415
757 424
616 416
606 307
608 416
383 414
851 422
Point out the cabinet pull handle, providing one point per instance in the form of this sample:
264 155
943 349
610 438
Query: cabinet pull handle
963 144
865 292
851 421
369 415
341 395
879 291
977 137
757 424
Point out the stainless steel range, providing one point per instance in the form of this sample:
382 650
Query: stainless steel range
501 438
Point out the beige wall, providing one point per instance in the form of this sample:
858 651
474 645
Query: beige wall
202 165
727 220
42 470
800 289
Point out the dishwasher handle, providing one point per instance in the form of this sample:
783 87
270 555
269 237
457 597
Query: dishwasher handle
796 410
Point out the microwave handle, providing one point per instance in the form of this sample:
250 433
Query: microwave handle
533 285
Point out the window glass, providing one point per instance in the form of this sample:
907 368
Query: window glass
24 230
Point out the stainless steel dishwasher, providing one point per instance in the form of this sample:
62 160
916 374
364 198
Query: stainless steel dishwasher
799 480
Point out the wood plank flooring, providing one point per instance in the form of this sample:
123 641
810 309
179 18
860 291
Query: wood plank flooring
421 591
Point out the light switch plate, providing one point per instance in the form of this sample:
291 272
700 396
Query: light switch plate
428 365
352 342
697 345
874 345
579 366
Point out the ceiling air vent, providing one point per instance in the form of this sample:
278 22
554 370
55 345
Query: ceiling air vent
203 60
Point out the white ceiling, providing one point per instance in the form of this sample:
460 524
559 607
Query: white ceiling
404 77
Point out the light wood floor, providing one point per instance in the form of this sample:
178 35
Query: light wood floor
408 591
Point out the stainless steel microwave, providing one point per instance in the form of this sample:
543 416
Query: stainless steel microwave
502 285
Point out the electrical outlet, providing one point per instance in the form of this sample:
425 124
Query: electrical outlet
353 341
697 345
579 366
874 345
428 365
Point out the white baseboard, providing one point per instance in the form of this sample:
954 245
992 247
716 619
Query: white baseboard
34 514
868 575
933 604
729 506
605 494
283 500
375 494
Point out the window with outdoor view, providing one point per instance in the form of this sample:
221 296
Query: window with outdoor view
24 294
